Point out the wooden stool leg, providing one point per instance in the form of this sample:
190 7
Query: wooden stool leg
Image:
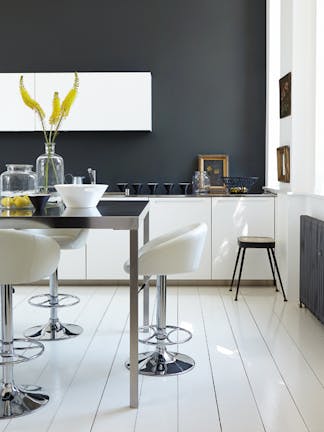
272 270
240 274
236 262
278 273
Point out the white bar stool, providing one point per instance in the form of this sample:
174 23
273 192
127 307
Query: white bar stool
24 258
176 252
54 329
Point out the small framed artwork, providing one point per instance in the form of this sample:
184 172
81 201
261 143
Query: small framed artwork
283 164
216 167
285 95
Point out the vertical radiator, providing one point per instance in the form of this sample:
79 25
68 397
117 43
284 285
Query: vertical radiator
311 285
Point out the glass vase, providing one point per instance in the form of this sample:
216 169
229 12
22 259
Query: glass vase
50 170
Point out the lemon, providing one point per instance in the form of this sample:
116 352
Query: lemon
7 202
19 201
27 200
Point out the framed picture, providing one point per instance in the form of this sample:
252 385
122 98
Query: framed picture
283 164
216 167
285 95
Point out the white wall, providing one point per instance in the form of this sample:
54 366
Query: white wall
298 56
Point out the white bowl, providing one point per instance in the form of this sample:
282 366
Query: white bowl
81 195
86 211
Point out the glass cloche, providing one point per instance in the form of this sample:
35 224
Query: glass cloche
16 184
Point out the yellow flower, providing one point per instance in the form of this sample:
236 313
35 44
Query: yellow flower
53 120
31 103
70 97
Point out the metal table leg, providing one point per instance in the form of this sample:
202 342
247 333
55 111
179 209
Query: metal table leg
133 318
146 291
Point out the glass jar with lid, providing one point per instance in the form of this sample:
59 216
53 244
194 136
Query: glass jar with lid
200 183
16 184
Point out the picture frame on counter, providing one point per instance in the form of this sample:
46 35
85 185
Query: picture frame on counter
216 167
283 164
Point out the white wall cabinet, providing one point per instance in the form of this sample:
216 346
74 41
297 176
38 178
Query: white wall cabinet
15 116
167 214
106 101
233 217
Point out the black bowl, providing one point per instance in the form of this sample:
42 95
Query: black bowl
153 187
239 185
122 187
39 201
184 187
137 188
168 187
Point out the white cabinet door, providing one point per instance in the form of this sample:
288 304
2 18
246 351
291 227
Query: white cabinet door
15 115
168 214
233 217
107 250
106 100
72 264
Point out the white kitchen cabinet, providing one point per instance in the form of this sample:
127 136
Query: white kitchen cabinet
72 264
168 214
15 115
107 250
233 217
119 101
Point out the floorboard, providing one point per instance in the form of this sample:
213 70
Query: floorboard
259 365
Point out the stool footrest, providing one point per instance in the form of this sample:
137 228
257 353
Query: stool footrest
169 337
46 300
23 350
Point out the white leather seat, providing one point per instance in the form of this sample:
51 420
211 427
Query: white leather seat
177 252
24 258
55 330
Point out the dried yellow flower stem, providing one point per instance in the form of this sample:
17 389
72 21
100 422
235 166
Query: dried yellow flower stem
67 102
55 116
31 103
59 112
56 111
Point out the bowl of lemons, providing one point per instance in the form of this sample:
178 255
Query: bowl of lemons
15 202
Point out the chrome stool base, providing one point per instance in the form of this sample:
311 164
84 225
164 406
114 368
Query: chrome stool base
164 363
17 401
53 331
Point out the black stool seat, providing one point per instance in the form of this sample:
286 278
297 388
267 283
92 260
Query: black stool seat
256 242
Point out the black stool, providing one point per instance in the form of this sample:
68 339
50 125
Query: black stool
257 243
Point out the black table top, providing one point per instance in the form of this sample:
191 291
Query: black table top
108 214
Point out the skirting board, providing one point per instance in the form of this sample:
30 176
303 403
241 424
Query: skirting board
217 282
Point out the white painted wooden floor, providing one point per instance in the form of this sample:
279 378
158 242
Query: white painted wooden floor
260 366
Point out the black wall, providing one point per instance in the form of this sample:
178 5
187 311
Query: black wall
207 59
